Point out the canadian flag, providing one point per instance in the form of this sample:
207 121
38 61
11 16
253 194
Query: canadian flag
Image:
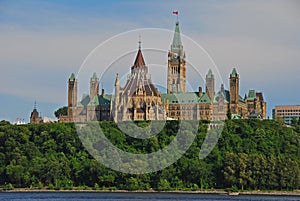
175 12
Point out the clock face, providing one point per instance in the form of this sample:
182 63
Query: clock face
175 55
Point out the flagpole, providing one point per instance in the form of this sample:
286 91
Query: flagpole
176 13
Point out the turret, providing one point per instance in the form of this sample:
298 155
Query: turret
94 86
234 91
176 65
117 97
210 84
72 95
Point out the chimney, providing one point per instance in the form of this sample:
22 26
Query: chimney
199 91
222 87
102 93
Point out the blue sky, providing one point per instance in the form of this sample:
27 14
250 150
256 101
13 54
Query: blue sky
43 42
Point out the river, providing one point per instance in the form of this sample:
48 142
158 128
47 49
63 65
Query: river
80 196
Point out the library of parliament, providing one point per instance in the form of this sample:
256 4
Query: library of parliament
140 100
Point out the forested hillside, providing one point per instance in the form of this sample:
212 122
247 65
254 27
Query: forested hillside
250 155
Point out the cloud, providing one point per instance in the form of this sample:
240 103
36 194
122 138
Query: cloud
42 43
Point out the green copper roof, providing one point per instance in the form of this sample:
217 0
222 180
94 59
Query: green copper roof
94 77
209 74
176 44
204 98
99 100
234 73
186 98
72 77
225 94
242 100
84 100
251 95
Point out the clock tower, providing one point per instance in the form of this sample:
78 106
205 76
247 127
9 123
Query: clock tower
176 65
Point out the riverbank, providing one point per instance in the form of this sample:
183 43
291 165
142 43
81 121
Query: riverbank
257 192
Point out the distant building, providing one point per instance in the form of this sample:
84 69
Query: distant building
35 116
139 99
48 120
287 112
19 121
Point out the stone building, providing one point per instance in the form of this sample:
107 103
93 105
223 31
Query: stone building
139 99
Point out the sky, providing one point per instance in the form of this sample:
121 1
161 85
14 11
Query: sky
43 42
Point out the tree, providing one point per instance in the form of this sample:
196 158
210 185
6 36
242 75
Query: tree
228 114
3 123
163 185
132 184
61 111
294 121
251 154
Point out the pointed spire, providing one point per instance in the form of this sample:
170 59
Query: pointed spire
34 105
234 73
140 42
176 43
210 74
72 77
94 77
139 60
117 83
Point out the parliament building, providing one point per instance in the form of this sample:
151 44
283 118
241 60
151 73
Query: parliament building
139 99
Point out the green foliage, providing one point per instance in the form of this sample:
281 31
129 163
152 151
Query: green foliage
8 186
4 123
163 185
250 155
61 111
294 121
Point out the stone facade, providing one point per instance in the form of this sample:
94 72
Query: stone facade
139 99
176 65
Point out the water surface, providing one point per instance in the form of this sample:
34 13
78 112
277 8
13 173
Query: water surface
74 196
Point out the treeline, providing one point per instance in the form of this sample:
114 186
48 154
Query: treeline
250 155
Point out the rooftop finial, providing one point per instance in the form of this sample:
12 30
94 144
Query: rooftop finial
140 43
34 105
